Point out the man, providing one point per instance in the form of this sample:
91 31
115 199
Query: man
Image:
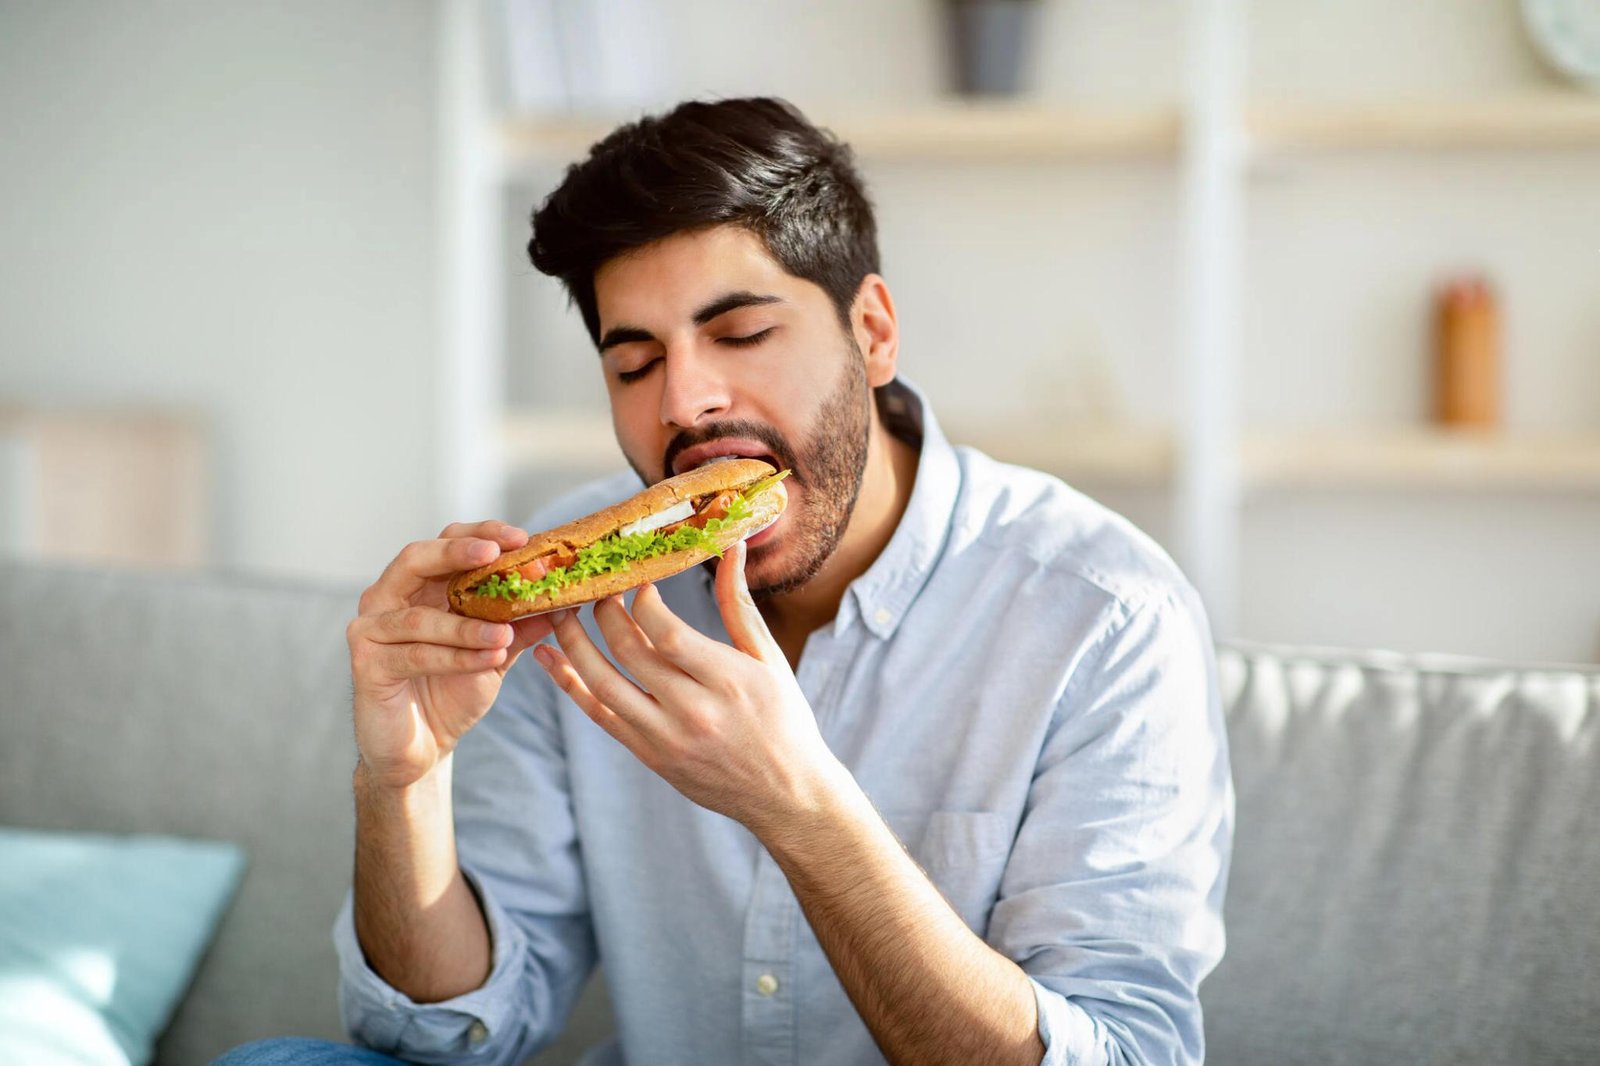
712 789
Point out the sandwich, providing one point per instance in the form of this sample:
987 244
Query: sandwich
662 531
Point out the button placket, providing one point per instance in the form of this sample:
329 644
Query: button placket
768 1029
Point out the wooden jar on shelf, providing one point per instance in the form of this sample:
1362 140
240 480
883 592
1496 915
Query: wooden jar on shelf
1466 365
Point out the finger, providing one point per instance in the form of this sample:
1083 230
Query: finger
559 667
746 628
598 674
404 661
503 533
430 625
675 640
422 562
632 649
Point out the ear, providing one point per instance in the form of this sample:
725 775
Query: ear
876 329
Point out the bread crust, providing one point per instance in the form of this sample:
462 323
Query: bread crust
712 478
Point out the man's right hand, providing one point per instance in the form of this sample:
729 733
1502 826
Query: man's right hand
422 675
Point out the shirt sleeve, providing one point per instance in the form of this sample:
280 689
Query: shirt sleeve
516 840
1112 899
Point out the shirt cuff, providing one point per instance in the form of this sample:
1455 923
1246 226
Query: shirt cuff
473 1026
1070 1036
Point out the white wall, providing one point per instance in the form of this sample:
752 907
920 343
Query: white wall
230 205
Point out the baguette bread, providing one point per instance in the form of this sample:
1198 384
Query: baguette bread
708 480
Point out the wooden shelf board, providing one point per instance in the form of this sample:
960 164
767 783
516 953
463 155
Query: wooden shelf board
1141 456
1543 120
949 132
1421 458
963 131
1113 454
576 440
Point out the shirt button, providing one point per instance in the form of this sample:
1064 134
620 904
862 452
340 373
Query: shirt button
766 984
883 617
478 1033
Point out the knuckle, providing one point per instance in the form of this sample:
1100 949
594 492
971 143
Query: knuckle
671 644
697 723
416 657
412 621
729 685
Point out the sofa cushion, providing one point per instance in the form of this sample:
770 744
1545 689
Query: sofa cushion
215 707
1415 861
99 936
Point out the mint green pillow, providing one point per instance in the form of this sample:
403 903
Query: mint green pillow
99 936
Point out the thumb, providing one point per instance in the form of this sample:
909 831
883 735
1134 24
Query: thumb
743 621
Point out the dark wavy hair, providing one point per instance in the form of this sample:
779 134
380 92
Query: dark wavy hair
754 162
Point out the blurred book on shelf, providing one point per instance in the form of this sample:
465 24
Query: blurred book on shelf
115 486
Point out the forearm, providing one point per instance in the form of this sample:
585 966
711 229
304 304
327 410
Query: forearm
419 924
928 988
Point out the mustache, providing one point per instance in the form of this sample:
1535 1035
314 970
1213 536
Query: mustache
757 431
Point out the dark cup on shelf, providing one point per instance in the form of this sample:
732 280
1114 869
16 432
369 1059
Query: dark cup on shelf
989 42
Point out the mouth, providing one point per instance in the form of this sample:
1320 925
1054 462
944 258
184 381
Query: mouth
722 450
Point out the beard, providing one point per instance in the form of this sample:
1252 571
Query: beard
828 465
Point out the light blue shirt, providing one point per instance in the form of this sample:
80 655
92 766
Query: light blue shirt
1022 682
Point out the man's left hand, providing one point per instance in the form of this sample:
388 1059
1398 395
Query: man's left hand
726 726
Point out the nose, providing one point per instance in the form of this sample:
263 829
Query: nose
693 391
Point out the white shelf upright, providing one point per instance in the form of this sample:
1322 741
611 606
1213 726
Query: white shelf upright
1207 489
470 472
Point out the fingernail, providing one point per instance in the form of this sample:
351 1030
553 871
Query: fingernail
546 657
489 631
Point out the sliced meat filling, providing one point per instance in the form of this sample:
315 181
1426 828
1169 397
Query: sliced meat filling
534 569
715 507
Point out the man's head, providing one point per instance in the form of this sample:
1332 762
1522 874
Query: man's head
724 259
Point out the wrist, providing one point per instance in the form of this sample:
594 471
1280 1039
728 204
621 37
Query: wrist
824 802
402 791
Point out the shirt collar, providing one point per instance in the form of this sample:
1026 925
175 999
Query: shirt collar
886 590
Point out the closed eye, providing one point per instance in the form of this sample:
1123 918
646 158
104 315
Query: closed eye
635 375
746 342
629 376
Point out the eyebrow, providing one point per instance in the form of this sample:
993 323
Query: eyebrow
720 306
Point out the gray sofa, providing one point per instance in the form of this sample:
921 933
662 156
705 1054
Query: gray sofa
1416 873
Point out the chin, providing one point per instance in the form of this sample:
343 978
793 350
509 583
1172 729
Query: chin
763 562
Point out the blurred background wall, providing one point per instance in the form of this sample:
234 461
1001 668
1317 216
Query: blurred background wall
239 211
228 210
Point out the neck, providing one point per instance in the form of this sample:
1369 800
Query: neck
885 490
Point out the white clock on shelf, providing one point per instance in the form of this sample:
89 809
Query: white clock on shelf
1567 34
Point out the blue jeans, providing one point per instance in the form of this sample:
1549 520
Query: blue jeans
302 1051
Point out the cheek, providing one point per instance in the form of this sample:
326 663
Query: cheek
635 425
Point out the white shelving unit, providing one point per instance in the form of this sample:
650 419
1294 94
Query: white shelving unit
1207 461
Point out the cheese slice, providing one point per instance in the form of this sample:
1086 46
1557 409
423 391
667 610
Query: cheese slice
676 513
